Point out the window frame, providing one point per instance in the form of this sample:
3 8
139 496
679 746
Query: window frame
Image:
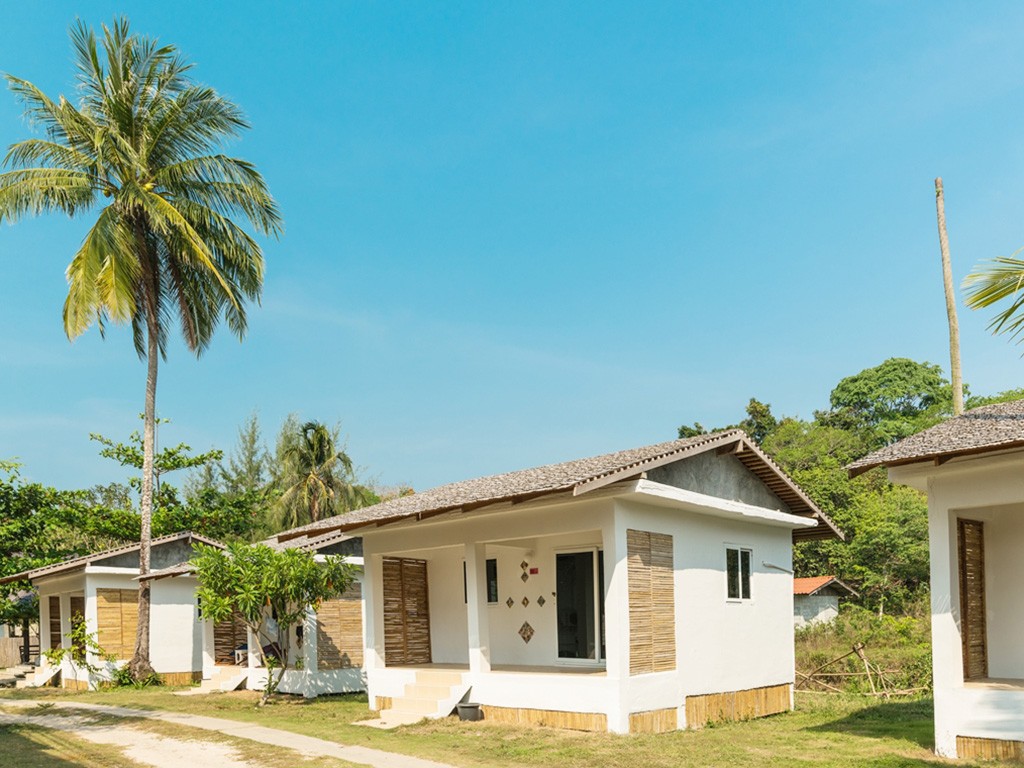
745 591
487 570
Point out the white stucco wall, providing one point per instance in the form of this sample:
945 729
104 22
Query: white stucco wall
991 489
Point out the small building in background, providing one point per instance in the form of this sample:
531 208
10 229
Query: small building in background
816 600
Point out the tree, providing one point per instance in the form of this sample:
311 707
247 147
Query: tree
996 281
890 401
955 370
271 590
248 466
144 142
317 478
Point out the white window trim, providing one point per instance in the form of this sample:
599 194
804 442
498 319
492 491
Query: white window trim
750 551
599 662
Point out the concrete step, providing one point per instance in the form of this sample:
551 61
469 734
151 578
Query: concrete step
436 692
438 677
408 706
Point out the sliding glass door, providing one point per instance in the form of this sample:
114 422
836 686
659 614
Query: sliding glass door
580 605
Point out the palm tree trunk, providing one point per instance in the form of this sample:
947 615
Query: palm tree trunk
955 372
140 663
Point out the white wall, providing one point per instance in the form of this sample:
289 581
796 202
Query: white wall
721 644
176 632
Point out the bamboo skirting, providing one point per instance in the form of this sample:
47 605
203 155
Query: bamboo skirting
573 721
74 685
987 749
655 721
384 702
736 705
181 678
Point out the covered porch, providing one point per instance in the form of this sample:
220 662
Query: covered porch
510 610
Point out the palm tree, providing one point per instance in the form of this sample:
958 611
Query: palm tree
317 475
994 281
143 148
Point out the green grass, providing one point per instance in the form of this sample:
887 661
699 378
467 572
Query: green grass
825 730
30 746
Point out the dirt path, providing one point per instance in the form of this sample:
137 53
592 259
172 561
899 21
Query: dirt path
137 745
306 745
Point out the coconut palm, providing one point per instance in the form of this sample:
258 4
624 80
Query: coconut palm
141 152
317 475
998 280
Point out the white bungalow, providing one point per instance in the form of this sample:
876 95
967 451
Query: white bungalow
972 468
102 589
617 593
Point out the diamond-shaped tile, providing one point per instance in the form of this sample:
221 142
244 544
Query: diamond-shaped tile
541 601
510 602
526 601
526 632
524 565
525 577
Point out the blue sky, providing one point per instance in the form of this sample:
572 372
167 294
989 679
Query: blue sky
522 233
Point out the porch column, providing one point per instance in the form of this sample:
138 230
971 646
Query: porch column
373 612
616 621
476 608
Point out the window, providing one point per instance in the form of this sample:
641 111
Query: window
737 569
492 582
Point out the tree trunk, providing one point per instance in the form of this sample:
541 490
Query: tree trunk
955 372
26 644
140 664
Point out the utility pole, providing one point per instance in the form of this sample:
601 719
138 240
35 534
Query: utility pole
955 372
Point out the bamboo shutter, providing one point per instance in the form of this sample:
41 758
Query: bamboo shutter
406 612
54 621
339 631
117 618
971 546
227 636
652 626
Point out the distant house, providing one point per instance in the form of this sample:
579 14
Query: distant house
616 593
816 599
326 650
102 589
972 468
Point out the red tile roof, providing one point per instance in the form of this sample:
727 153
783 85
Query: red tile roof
811 584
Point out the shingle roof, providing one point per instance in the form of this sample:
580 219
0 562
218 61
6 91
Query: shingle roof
77 563
811 584
578 476
981 430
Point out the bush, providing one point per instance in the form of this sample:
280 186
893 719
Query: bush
898 645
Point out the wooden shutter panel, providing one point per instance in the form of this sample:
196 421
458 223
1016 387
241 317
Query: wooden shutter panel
55 638
652 627
406 611
973 632
227 636
339 631
117 619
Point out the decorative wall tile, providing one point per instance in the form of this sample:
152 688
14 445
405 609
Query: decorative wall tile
510 602
526 632
524 565
541 601
525 577
526 601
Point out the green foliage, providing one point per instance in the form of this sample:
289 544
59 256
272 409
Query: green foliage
124 677
314 474
900 646
82 646
271 590
999 281
890 401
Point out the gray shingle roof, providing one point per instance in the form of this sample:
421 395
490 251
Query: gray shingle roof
77 563
980 430
578 476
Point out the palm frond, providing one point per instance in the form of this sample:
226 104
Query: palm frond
995 281
40 190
